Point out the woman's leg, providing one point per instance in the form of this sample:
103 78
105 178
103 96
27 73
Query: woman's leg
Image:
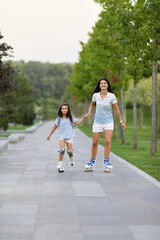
108 137
62 146
95 141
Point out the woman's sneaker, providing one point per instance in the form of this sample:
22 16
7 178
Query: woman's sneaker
60 166
90 166
107 166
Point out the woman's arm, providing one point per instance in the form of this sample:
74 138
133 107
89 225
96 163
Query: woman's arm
119 115
52 131
90 109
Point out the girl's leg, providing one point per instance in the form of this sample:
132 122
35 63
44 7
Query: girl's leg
62 146
69 146
108 137
70 152
95 141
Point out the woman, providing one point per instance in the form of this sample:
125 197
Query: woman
103 98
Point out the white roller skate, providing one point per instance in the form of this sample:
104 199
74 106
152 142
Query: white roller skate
71 160
90 166
107 166
70 154
60 166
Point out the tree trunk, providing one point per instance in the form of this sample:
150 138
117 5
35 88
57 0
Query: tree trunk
86 121
115 127
135 116
154 110
122 114
141 117
121 132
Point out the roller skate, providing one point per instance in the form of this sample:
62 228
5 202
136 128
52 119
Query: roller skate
70 154
71 160
90 166
107 166
60 166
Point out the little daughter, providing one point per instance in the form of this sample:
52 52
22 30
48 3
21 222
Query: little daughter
65 122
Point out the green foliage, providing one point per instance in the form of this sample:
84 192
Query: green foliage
125 43
146 117
17 104
3 120
144 93
6 83
27 115
103 51
49 83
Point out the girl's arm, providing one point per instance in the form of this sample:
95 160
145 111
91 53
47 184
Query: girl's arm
79 121
119 115
90 109
52 131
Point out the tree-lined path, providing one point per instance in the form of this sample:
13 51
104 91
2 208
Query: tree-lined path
38 203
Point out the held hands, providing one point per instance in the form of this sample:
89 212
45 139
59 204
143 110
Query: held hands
87 115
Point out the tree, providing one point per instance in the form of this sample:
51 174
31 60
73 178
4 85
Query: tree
144 96
152 17
49 83
140 26
103 51
5 70
17 104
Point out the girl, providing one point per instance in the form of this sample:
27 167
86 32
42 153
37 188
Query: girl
103 98
65 122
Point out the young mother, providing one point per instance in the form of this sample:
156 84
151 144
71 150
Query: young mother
103 98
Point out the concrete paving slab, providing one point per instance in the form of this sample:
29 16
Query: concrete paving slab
59 232
38 203
87 189
109 231
145 232
15 229
8 236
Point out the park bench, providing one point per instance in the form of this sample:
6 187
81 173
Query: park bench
16 137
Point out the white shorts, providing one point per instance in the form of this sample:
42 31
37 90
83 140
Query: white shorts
101 127
68 140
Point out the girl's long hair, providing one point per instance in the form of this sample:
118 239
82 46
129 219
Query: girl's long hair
97 88
60 114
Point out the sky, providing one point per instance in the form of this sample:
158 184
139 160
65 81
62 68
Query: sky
47 30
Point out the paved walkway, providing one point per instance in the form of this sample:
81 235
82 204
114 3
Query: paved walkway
38 203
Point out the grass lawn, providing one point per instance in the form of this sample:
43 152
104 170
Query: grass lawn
17 127
141 157
21 127
4 135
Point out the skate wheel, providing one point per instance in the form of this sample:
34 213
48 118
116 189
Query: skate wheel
87 170
60 170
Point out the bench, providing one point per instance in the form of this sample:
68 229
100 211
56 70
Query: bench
16 137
